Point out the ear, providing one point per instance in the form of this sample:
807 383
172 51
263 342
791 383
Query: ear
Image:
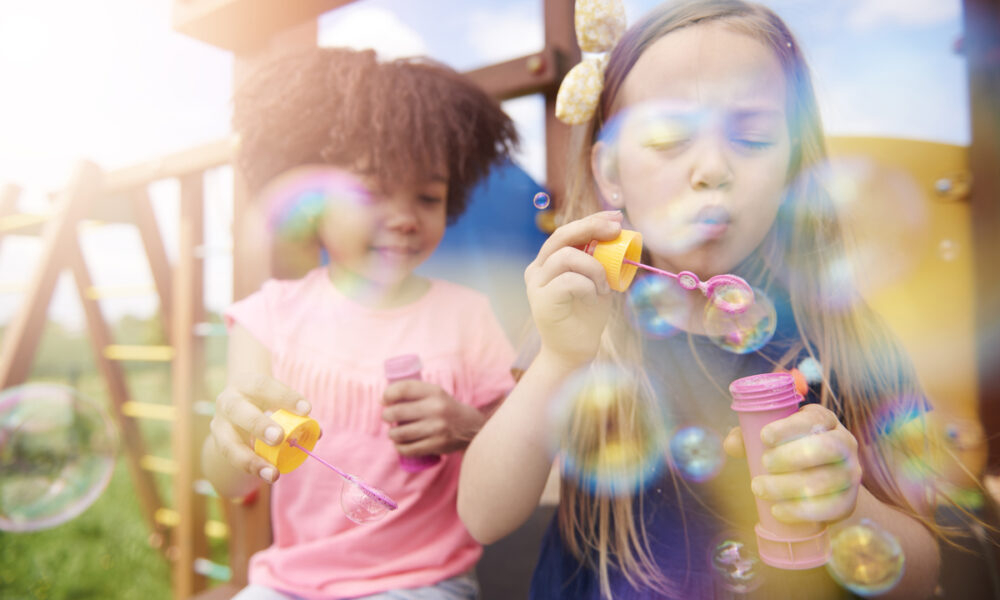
604 166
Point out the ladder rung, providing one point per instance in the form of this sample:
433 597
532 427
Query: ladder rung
205 488
210 329
203 566
169 518
158 464
216 529
204 407
97 292
149 410
18 221
139 353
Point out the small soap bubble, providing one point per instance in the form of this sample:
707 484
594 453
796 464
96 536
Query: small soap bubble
866 559
541 201
697 453
57 454
741 333
735 564
359 505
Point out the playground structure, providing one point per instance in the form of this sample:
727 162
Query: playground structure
256 30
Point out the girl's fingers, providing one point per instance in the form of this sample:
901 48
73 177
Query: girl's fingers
412 432
810 419
827 448
600 226
247 416
733 444
410 389
232 447
270 394
572 260
831 507
811 483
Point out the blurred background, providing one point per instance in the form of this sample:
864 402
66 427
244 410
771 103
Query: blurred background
141 90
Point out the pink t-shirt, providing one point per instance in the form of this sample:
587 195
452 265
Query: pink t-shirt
332 350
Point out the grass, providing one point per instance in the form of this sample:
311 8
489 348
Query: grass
104 553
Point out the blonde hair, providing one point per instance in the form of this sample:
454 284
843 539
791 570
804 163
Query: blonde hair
870 369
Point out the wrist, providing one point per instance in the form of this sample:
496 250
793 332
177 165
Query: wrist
557 364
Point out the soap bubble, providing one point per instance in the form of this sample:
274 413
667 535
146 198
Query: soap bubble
296 200
359 505
57 454
735 564
697 453
866 559
741 333
658 306
541 201
608 431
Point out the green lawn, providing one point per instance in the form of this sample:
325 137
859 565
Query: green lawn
104 553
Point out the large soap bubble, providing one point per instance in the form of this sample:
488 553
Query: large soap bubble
57 454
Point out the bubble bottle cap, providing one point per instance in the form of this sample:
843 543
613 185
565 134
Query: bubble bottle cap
305 432
612 255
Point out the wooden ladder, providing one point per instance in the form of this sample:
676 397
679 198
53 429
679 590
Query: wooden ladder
181 532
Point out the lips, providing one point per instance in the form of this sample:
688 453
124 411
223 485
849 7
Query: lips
712 221
396 250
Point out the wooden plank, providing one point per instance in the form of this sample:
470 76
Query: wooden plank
189 429
118 393
156 253
560 35
982 50
20 341
535 73
244 25
179 164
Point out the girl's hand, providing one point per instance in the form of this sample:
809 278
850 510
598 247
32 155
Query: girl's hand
426 419
812 463
241 414
568 289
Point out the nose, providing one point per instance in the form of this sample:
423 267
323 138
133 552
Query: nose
711 168
400 213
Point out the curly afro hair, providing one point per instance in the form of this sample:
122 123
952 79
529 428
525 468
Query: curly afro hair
404 120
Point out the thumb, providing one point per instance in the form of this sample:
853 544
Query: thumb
733 444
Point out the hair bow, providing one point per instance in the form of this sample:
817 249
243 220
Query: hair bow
599 25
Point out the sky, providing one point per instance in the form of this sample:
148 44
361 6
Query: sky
109 81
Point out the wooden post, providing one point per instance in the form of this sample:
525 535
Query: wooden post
560 34
21 338
187 377
982 51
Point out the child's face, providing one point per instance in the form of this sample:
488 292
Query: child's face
384 235
703 152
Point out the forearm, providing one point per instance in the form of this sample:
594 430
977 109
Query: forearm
920 548
506 465
228 481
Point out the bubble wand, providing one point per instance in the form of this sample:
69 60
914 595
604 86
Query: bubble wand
729 292
300 437
372 492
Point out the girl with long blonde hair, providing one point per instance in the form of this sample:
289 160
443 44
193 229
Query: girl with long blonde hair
705 138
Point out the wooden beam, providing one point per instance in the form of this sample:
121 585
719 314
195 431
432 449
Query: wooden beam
535 73
193 160
244 25
159 264
982 50
118 393
20 341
